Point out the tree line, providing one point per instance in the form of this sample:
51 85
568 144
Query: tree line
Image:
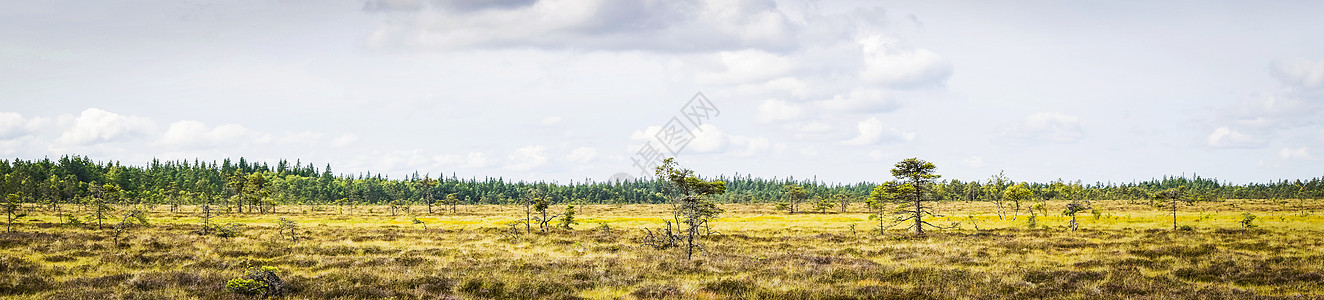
258 187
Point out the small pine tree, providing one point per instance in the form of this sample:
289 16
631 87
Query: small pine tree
1073 208
12 210
568 218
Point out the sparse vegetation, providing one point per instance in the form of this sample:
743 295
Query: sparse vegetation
1227 248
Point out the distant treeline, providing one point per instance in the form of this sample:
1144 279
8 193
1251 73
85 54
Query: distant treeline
72 179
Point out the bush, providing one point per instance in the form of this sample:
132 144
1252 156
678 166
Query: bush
1246 219
261 281
1186 228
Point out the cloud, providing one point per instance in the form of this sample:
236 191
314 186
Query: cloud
669 26
549 121
974 162
306 137
527 158
708 139
582 155
344 140
14 125
861 100
195 134
878 155
1050 127
1299 73
1225 137
1298 153
96 125
472 160
744 66
1297 107
773 110
872 131
888 62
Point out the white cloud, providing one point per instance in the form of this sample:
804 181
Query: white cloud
549 121
862 100
889 62
402 160
679 26
747 66
878 155
527 158
1050 127
95 125
472 160
773 110
1225 137
195 134
306 137
13 125
582 155
1298 153
872 131
974 162
748 146
344 140
707 139
1299 73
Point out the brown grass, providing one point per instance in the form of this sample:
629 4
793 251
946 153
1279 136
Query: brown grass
1130 251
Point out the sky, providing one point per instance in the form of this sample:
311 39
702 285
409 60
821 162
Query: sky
573 90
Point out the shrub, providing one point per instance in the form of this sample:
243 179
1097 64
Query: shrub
261 281
1246 219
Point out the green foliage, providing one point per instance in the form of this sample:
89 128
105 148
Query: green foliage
568 218
1247 220
417 221
1018 193
825 204
689 197
257 281
794 194
916 187
11 208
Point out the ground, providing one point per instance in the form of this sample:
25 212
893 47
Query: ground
1125 250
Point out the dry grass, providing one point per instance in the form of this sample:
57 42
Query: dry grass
1128 251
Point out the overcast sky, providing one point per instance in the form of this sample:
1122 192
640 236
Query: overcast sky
571 89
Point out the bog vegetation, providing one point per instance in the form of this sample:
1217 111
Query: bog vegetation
77 229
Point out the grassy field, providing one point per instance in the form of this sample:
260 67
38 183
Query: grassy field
1128 250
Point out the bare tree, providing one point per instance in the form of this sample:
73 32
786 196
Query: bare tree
287 225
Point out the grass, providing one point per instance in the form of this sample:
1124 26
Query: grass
1129 251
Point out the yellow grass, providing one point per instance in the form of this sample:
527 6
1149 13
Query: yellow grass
1129 251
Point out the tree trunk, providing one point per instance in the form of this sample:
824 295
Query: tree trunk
1174 215
919 224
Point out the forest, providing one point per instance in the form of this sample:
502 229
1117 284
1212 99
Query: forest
72 179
